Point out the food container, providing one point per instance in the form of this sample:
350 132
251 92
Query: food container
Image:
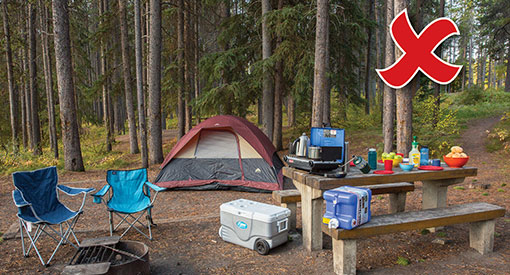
314 152
406 166
455 162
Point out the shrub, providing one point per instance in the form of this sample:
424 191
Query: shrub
472 96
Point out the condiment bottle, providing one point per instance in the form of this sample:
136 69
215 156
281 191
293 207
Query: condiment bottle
414 154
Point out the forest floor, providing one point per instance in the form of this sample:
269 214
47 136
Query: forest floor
186 239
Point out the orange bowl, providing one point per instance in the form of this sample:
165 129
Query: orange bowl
455 162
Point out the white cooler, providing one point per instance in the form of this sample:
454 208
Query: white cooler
254 225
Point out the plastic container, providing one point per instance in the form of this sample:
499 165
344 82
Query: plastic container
347 207
414 154
424 155
372 158
254 225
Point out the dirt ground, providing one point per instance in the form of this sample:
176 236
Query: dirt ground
186 239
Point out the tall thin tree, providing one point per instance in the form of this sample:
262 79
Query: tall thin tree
278 95
126 68
48 76
389 93
320 81
13 97
181 113
139 85
368 67
70 135
267 84
107 114
36 145
154 79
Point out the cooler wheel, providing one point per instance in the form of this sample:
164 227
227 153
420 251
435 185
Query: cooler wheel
262 247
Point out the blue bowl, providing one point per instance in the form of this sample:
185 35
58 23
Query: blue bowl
406 167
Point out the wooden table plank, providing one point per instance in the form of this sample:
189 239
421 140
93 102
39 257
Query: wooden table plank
405 221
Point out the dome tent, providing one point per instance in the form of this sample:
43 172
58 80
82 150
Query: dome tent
222 152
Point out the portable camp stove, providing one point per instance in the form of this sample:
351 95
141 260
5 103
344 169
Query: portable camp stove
109 255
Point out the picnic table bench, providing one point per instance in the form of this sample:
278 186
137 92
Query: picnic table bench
311 187
480 216
397 191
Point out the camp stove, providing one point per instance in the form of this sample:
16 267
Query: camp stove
326 150
109 255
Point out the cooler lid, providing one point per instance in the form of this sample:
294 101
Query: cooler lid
255 210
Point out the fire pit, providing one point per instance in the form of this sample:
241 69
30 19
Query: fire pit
109 255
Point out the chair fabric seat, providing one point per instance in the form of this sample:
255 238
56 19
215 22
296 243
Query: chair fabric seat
127 207
59 215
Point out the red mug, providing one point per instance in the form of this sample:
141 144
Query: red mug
388 165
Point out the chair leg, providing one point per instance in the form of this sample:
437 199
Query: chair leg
149 221
111 222
33 244
22 238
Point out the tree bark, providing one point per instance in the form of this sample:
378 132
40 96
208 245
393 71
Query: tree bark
155 139
507 79
28 97
139 86
291 118
278 94
404 103
320 81
22 94
188 77
388 92
470 83
107 114
267 84
36 145
126 68
13 97
181 112
368 66
437 86
70 135
196 53
48 76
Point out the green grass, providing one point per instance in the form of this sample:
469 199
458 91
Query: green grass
402 261
485 194
380 197
459 188
93 146
501 190
503 184
441 234
425 231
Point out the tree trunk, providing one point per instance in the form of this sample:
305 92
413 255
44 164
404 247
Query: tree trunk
291 118
181 112
187 69
470 84
320 81
369 59
489 74
22 94
126 68
507 79
267 84
48 76
28 97
107 115
404 103
278 93
139 86
437 86
36 145
196 50
70 135
155 140
13 97
388 92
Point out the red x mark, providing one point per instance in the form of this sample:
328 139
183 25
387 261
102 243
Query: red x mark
419 52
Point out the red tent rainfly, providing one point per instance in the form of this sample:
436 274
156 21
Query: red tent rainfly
222 152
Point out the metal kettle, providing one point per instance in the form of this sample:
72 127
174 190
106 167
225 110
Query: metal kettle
299 146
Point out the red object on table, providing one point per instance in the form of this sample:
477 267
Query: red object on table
400 154
388 165
430 167
455 162
380 161
383 172
352 163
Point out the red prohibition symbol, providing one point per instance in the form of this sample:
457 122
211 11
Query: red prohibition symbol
418 52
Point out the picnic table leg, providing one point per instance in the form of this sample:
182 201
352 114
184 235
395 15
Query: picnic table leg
434 194
311 216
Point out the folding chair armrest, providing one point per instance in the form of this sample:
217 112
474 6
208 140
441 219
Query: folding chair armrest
155 187
72 191
18 199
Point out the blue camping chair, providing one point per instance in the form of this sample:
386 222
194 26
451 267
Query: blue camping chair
128 194
37 200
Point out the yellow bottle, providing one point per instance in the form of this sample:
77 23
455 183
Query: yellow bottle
414 154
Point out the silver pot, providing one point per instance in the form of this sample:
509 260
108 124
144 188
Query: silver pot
314 152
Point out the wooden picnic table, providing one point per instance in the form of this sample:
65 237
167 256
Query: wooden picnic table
311 187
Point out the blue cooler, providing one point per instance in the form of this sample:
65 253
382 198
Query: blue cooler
347 207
